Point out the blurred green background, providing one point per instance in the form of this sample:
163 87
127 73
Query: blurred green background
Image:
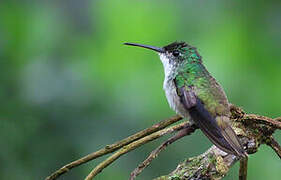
69 86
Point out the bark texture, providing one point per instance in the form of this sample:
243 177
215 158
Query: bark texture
253 130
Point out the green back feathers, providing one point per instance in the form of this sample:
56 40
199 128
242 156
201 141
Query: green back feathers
195 77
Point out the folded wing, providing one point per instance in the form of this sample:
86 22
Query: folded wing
217 129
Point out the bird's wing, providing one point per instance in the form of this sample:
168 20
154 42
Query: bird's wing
217 129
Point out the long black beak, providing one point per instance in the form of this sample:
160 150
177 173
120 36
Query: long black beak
157 49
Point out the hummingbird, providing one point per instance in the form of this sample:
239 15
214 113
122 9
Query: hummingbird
193 93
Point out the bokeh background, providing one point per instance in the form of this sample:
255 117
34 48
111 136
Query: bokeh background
69 87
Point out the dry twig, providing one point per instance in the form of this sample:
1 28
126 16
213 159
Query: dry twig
274 145
184 132
243 169
132 146
113 147
275 123
253 130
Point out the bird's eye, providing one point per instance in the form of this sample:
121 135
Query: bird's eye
176 53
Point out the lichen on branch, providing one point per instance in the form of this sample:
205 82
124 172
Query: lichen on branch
253 130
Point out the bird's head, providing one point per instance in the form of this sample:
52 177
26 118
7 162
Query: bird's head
174 55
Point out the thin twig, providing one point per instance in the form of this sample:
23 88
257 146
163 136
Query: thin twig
184 132
278 119
276 123
243 168
132 146
274 145
113 147
215 164
135 140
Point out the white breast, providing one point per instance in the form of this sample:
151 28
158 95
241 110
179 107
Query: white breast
170 89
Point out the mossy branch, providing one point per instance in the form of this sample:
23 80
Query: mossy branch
133 146
253 131
113 147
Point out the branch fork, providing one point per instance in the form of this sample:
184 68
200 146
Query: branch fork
253 130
